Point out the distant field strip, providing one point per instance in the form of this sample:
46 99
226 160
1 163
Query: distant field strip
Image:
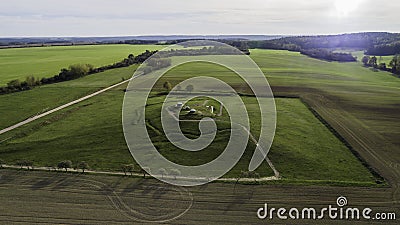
18 63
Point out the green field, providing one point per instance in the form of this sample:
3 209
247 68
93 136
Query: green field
18 63
349 91
91 131
302 145
336 113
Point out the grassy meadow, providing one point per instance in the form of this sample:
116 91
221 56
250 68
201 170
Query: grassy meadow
304 149
18 63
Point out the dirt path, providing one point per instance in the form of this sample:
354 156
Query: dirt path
71 170
36 117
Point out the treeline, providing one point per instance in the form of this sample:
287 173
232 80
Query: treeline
65 164
393 67
154 64
242 45
358 40
304 46
384 49
139 42
214 50
319 46
162 59
71 73
328 55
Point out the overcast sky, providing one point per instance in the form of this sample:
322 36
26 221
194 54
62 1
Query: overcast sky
156 17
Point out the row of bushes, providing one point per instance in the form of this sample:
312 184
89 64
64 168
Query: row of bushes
73 72
65 164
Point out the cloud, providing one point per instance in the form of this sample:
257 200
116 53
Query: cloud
127 17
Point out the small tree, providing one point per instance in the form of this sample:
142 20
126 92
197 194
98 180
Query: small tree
83 166
254 175
365 60
395 64
175 173
32 81
79 70
244 174
130 168
167 85
14 84
373 61
20 163
65 164
124 169
189 88
144 170
29 164
162 172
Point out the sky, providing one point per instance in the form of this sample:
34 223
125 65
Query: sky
44 18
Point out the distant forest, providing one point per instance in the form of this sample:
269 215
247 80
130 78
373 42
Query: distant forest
379 44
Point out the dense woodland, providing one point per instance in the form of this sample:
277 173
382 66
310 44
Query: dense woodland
379 44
